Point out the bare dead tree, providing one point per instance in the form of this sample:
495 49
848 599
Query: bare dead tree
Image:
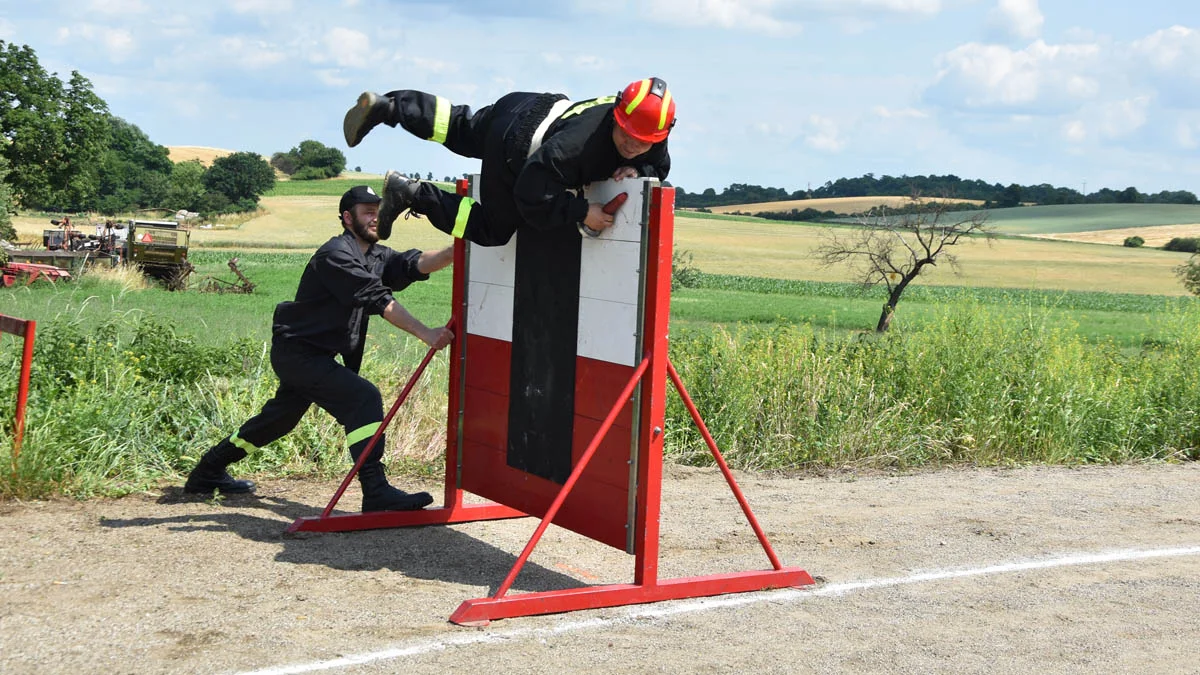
893 249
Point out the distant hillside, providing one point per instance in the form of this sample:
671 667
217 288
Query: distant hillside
839 205
187 153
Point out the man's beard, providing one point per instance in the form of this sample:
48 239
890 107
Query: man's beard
362 231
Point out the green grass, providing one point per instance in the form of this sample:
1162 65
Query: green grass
130 386
332 187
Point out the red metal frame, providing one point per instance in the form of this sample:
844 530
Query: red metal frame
25 329
651 374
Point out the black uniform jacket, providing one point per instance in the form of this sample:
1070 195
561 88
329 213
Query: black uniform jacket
577 149
339 289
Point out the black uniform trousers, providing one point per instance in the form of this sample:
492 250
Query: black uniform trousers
306 376
486 135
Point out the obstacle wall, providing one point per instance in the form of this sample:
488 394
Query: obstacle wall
554 332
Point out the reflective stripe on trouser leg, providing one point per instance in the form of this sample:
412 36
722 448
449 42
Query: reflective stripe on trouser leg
362 433
460 220
242 443
441 120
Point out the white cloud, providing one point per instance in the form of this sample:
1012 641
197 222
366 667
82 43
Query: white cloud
331 77
1075 131
250 54
1187 136
115 43
7 30
1121 118
1018 18
751 15
983 76
899 113
1172 48
348 48
821 133
260 6
117 7
589 62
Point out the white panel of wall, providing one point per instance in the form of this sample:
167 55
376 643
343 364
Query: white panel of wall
627 222
490 310
609 281
608 331
493 264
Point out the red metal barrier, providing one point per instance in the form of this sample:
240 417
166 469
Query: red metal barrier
25 329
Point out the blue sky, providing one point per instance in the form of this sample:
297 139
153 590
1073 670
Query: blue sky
785 93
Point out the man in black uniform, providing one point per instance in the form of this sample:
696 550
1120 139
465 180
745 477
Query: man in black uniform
346 280
538 152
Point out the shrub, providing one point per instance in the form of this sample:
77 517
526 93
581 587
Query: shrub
1184 245
1189 274
1134 242
683 273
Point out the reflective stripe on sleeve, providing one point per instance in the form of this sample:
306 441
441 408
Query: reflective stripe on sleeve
460 220
242 443
441 120
584 105
362 433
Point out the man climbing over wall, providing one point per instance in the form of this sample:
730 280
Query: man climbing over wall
349 278
538 152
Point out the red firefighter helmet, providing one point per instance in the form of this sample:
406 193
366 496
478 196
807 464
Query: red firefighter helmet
645 110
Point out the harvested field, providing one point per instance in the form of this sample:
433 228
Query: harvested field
1155 237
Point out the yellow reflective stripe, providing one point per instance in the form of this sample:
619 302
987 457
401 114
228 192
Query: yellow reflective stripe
584 105
441 120
637 100
362 433
662 115
241 443
460 220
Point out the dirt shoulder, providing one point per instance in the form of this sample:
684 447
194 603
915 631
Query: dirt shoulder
162 583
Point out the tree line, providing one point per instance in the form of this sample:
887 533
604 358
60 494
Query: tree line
994 195
61 150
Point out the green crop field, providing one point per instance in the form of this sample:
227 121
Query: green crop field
1087 217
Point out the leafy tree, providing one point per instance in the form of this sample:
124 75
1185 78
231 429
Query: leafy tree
53 133
286 162
241 178
186 187
893 251
1183 244
310 160
1134 242
1130 195
7 231
1189 274
135 172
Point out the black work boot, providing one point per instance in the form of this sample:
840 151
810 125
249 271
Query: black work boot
378 495
210 473
398 194
370 111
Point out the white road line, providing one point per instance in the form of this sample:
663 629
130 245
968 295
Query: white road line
704 604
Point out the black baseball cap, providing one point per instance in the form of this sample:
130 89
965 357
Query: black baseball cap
359 194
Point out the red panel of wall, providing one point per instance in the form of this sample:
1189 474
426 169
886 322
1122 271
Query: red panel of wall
598 506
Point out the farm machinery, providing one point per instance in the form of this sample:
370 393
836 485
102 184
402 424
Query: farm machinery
158 248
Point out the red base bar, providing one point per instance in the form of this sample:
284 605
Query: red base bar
376 520
481 611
